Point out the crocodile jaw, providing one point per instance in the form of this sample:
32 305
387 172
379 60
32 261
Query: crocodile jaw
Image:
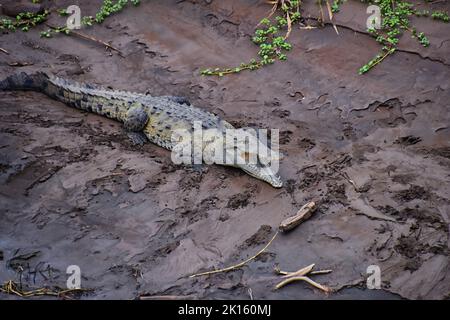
263 173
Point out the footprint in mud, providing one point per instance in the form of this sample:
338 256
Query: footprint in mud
428 235
198 212
72 64
285 136
420 215
239 200
442 152
360 151
408 247
404 178
306 144
191 180
258 238
166 249
408 140
335 193
310 177
4 167
274 103
388 114
36 46
413 249
415 192
290 186
164 241
281 113
224 27
349 132
295 94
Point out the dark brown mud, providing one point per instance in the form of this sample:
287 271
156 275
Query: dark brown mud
372 150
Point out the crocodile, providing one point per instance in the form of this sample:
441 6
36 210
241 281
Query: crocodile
153 118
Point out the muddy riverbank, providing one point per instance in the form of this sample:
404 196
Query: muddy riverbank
373 151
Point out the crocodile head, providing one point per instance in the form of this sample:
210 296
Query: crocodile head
261 171
247 153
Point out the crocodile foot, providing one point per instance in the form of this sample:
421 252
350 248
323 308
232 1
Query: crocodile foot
137 138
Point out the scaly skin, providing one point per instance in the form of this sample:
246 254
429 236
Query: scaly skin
155 117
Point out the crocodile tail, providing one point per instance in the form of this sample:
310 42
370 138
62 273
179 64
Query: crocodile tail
23 81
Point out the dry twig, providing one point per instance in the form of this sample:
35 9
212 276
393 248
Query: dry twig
311 282
300 275
303 214
330 14
10 287
90 38
233 267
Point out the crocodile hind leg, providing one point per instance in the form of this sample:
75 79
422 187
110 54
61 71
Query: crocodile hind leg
136 119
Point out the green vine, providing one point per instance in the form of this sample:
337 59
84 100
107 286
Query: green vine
108 8
27 20
24 21
272 32
395 20
395 17
440 15
272 43
335 6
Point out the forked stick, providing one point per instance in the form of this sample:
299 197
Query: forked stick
302 278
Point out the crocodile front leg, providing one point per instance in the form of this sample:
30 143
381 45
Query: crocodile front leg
135 121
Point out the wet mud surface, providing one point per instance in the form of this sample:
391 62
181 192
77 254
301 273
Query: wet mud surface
373 151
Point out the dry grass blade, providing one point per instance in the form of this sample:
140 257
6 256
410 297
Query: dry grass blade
289 25
302 272
330 14
233 267
4 51
321 19
321 272
272 11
